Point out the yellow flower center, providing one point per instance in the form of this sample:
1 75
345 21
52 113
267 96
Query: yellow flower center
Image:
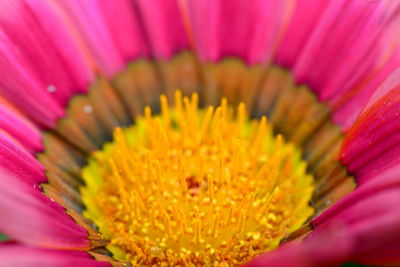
196 187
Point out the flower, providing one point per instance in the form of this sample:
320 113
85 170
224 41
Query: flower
280 149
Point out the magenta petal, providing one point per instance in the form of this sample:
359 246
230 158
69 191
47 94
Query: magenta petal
363 205
87 19
372 145
67 50
367 219
374 233
388 85
22 88
356 29
387 255
372 221
332 66
27 215
292 255
385 182
164 27
19 162
20 129
306 15
48 51
363 236
350 105
127 32
235 28
251 31
327 248
205 32
17 255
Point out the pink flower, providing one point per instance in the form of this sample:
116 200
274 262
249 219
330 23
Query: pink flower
324 72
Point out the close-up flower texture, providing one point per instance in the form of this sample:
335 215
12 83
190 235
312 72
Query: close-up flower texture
199 133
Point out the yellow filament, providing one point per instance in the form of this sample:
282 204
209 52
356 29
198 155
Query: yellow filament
196 187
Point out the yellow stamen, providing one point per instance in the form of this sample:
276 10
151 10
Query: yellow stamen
196 187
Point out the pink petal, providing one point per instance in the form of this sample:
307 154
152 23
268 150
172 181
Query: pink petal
371 145
17 255
18 127
164 27
87 19
306 15
19 162
382 183
356 26
374 233
125 28
22 88
327 248
30 217
387 255
339 44
391 82
235 28
204 31
292 255
49 52
371 222
349 105
68 49
362 207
